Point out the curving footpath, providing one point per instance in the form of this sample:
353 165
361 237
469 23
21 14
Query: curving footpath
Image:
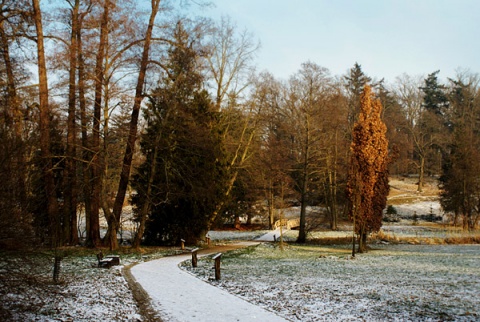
181 297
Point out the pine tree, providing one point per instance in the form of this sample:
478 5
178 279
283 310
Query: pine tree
367 186
179 184
435 99
432 125
460 181
355 84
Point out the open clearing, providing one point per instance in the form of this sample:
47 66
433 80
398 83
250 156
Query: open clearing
407 279
392 282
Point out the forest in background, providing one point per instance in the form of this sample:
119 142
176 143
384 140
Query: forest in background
104 103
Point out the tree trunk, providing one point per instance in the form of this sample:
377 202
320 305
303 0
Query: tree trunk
302 234
249 219
362 241
12 104
97 110
146 205
86 155
132 135
105 199
331 195
271 206
50 190
333 186
421 173
70 235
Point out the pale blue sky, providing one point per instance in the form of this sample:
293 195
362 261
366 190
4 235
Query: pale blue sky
387 37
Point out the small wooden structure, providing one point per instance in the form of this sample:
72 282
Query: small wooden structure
182 244
107 261
217 259
207 240
194 257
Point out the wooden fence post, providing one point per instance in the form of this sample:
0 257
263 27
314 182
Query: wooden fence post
194 257
217 259
208 241
182 241
56 268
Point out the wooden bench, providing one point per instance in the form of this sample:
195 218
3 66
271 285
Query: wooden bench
108 261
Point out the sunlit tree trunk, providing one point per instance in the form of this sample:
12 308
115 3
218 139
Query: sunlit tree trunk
96 162
132 135
145 209
421 173
86 155
70 234
302 234
44 125
271 205
13 115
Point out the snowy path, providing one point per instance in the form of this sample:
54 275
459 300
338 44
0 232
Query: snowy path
270 236
179 296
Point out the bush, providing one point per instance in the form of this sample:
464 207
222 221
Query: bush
391 210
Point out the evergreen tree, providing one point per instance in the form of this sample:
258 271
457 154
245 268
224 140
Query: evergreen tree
367 186
460 180
435 99
355 83
179 183
432 124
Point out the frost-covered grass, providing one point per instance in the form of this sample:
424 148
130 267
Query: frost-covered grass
229 235
393 282
84 292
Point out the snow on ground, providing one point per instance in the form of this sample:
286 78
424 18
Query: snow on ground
303 283
397 282
84 292
419 208
217 235
179 296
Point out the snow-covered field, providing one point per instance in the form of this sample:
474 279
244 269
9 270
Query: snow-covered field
302 283
84 291
393 282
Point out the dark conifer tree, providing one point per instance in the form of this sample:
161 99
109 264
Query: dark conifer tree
435 99
179 183
355 82
460 183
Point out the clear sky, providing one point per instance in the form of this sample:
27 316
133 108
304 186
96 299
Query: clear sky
386 37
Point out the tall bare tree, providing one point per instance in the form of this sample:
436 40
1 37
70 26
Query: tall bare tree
70 234
230 62
307 99
44 125
132 135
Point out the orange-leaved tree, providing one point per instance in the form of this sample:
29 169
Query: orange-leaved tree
367 186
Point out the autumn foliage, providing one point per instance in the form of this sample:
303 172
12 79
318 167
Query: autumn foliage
367 186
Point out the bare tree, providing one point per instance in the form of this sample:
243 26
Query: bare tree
44 122
132 135
410 96
307 98
230 61
70 177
